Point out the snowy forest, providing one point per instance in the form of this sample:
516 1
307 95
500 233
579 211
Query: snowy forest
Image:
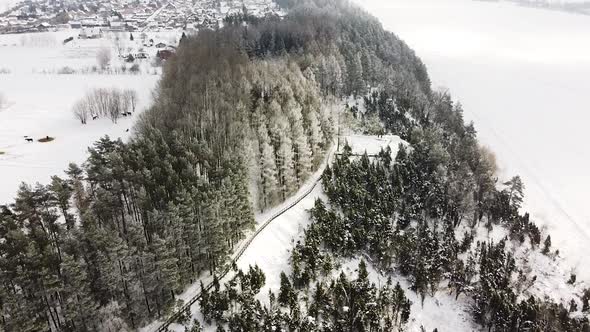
242 117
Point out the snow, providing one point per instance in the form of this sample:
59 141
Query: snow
550 272
551 277
372 145
522 76
39 102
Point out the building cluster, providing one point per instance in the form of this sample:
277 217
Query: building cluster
127 15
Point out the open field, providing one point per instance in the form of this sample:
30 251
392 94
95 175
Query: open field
38 101
45 52
47 112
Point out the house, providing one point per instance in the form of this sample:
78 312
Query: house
117 26
91 22
75 24
160 45
43 27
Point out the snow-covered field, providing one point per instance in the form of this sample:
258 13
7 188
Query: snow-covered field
522 75
38 103
45 52
39 106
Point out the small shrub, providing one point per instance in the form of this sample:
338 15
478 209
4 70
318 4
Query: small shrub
135 68
2 152
572 280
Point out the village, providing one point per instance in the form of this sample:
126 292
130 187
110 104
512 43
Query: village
99 16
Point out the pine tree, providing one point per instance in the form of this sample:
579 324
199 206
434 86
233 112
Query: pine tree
315 138
286 294
79 305
215 245
268 171
586 300
302 153
547 245
355 75
515 189
75 175
286 167
61 191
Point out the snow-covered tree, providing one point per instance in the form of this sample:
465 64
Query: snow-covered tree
302 151
268 170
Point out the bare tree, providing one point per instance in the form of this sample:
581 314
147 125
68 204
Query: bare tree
114 109
132 97
81 110
101 101
111 103
125 102
103 57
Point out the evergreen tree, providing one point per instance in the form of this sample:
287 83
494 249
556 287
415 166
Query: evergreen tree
286 294
286 167
268 171
515 189
302 153
547 245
